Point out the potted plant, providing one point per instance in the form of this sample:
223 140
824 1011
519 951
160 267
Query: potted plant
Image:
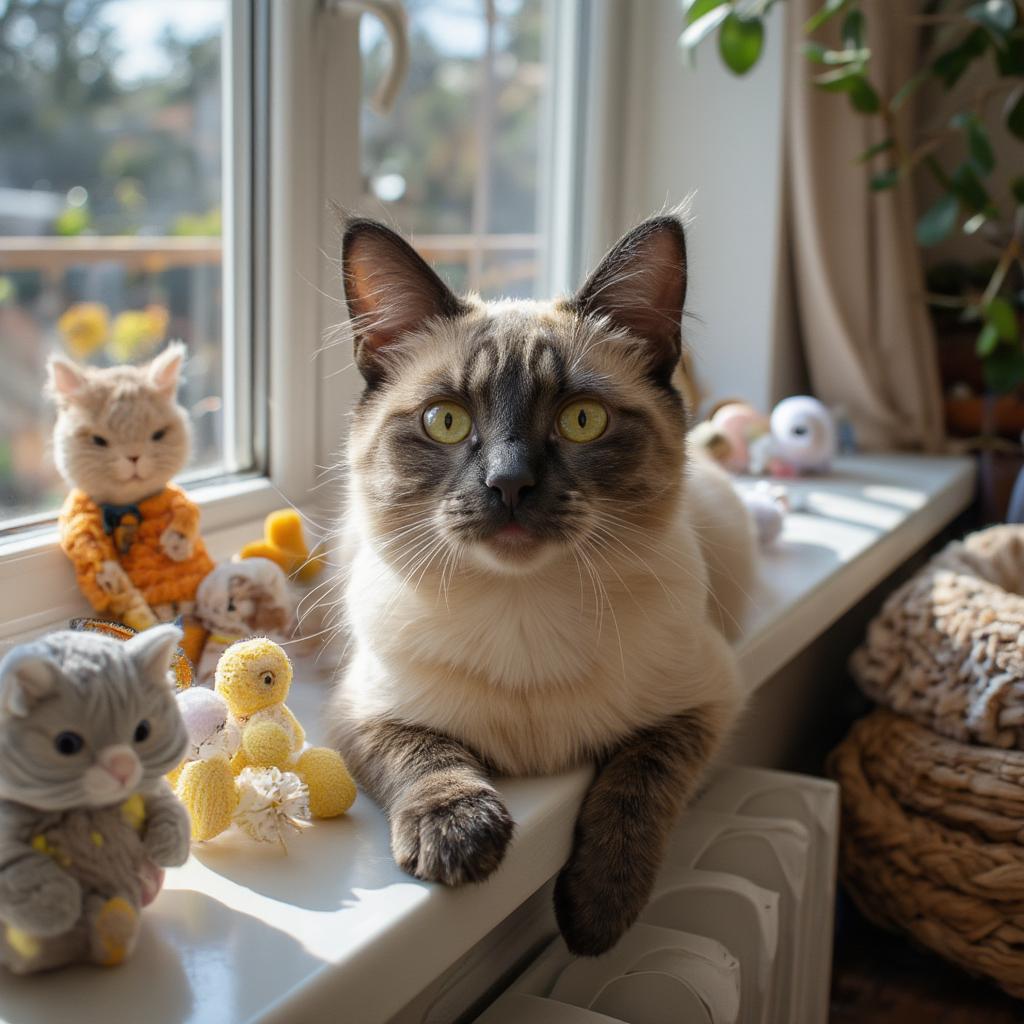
977 308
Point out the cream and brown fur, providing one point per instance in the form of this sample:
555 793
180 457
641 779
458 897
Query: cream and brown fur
591 630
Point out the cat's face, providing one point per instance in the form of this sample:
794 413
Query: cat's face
504 435
87 720
120 434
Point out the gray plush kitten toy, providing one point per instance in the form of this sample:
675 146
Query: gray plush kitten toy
89 726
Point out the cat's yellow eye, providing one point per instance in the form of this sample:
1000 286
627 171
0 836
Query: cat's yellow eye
582 420
447 422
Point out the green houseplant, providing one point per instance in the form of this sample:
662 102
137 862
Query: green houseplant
955 35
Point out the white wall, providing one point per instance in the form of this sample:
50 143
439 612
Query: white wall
706 132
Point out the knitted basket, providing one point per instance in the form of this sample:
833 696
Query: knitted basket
945 650
933 842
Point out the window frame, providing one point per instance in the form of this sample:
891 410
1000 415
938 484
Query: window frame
298 64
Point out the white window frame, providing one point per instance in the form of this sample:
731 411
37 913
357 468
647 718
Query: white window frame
303 145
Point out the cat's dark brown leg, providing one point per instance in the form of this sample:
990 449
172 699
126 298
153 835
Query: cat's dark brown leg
623 827
448 823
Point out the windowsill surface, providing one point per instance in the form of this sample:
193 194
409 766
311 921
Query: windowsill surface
333 928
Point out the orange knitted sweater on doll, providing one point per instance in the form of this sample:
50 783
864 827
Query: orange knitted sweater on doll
92 535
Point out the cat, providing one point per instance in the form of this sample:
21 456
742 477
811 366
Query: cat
132 536
89 726
542 574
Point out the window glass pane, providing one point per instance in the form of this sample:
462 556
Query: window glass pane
110 211
456 162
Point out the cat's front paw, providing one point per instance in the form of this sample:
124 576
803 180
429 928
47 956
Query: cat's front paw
451 836
176 546
592 908
168 837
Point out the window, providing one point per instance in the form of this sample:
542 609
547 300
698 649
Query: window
458 162
112 218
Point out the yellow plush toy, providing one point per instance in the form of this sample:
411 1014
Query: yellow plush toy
284 542
261 744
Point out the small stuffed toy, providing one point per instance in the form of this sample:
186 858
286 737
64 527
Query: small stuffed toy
132 536
88 728
240 599
247 763
284 542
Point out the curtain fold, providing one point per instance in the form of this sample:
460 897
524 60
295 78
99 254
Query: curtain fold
859 290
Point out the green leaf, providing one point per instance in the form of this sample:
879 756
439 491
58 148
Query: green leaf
827 10
987 341
884 179
1003 317
698 30
949 66
905 91
815 52
978 145
1017 188
740 41
938 221
1010 59
694 9
863 96
852 32
998 16
1015 113
1004 369
872 151
969 189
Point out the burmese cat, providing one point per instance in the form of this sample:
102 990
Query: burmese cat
132 536
541 572
87 725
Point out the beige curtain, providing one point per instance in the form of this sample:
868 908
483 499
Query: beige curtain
858 285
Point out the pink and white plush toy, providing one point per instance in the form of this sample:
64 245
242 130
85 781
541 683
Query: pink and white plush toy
802 440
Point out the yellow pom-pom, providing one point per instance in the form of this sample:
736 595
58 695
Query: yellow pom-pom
207 789
266 745
331 789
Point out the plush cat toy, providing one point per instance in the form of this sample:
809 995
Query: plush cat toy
132 536
88 728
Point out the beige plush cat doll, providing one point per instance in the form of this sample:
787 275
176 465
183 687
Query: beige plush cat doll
132 536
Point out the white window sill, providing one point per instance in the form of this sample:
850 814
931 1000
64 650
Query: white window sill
334 931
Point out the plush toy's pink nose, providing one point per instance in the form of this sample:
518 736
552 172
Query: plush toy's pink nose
122 763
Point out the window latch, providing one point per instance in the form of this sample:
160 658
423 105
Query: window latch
391 14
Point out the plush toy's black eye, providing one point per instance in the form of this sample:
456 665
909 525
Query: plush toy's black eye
68 743
231 604
100 442
158 435
268 678
142 731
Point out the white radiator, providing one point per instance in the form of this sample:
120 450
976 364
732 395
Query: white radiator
738 929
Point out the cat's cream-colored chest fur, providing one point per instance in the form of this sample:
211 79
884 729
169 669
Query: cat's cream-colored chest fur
538 673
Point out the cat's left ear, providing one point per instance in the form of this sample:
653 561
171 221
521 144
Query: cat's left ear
151 650
640 286
390 292
164 372
26 678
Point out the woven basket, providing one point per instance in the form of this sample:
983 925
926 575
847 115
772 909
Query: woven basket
933 842
945 649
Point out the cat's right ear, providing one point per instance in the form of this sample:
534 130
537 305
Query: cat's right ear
26 678
390 291
65 380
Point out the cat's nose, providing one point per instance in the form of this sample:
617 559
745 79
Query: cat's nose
122 762
510 475
133 458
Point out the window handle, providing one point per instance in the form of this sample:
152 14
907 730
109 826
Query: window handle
391 14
